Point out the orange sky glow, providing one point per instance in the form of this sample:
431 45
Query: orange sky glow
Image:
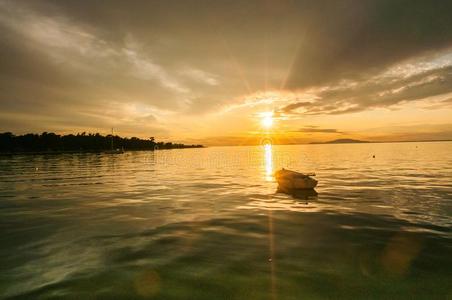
228 73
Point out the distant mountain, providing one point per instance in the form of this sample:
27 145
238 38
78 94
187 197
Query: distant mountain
342 141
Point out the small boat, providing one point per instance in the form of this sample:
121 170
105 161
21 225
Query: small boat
291 180
113 150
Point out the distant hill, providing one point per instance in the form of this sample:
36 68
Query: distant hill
342 141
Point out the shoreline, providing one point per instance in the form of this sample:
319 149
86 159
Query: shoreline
305 144
104 151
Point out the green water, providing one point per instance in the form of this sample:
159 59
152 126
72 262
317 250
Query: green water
208 224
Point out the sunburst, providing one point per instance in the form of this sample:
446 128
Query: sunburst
267 119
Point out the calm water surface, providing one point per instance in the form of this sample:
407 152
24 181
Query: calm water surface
208 224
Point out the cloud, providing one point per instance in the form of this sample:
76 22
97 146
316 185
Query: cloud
52 62
200 76
67 60
387 89
294 106
145 69
356 39
314 129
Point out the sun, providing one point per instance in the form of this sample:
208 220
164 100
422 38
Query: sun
267 119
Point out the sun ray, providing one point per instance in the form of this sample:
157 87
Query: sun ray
237 65
293 60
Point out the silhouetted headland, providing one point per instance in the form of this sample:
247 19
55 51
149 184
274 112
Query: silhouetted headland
342 141
49 142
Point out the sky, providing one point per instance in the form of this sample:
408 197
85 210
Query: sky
211 72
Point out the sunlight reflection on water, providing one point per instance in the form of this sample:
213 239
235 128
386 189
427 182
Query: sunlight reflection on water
208 223
268 162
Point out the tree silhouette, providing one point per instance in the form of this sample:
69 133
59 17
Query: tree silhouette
51 142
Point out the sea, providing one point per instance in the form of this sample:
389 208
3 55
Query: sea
210 223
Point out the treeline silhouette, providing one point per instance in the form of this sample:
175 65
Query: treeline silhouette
51 142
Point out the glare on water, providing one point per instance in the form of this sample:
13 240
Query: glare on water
268 162
209 223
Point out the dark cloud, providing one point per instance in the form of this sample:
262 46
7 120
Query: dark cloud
379 91
293 106
354 39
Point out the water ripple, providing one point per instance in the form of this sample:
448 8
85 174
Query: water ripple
210 224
